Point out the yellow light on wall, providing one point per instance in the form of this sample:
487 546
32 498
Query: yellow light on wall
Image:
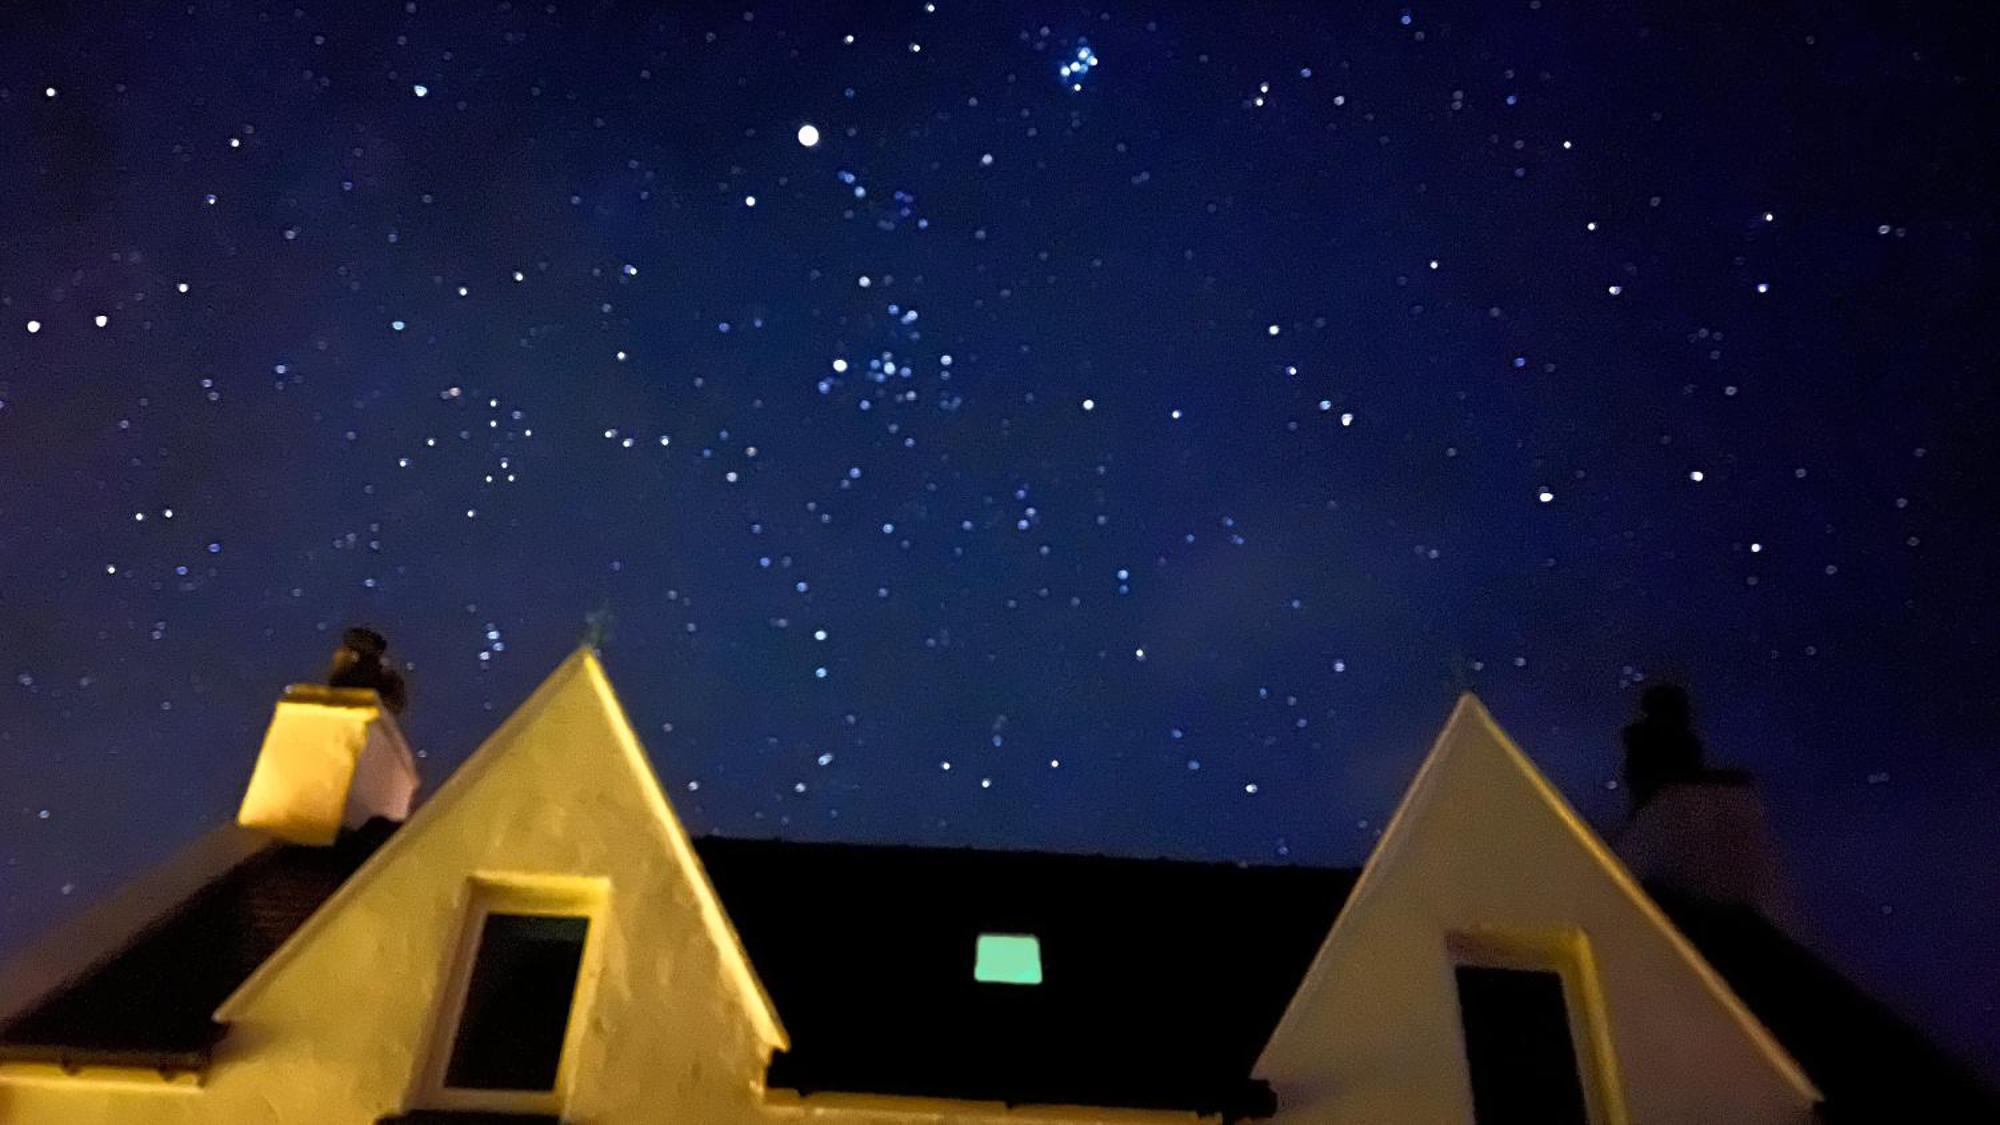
332 757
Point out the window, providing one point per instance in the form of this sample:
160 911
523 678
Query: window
1537 1046
1008 959
517 1003
1518 1047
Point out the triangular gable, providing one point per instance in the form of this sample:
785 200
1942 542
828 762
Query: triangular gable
1484 853
562 790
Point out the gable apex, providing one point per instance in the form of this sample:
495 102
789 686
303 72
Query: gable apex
577 690
1484 855
1472 732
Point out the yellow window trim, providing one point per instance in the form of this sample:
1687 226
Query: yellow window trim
1565 952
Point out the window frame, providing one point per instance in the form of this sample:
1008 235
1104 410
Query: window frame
564 896
1567 954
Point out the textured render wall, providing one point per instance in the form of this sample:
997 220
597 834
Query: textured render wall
338 1029
334 1029
67 1100
1483 843
70 1101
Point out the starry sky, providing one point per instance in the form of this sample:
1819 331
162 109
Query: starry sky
1119 429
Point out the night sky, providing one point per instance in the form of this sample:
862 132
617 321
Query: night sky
1122 430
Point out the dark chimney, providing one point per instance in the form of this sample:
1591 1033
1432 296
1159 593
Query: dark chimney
358 663
1661 748
1692 829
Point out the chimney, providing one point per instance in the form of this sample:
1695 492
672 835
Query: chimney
333 756
1694 830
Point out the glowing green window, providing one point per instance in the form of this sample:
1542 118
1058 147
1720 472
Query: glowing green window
1008 959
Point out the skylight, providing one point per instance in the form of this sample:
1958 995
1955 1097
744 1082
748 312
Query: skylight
1008 959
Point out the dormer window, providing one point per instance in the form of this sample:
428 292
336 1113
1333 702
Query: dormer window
1007 959
1531 1016
517 1003
510 1017
1518 1046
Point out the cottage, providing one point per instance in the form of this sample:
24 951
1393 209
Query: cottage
540 941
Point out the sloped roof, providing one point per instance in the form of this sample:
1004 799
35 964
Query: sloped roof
65 951
1161 981
149 1003
1871 1064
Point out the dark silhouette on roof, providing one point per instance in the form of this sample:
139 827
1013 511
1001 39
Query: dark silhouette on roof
1661 747
358 663
1161 980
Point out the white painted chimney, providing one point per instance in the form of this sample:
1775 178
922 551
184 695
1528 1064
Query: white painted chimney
333 757
1707 837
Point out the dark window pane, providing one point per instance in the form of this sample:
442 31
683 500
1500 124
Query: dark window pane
1518 1046
510 1036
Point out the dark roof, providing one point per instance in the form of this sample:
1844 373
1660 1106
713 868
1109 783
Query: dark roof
150 1003
1160 980
1870 1063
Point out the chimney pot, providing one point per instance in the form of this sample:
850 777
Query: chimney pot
358 663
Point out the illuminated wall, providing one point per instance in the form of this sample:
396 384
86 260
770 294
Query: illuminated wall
1485 864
